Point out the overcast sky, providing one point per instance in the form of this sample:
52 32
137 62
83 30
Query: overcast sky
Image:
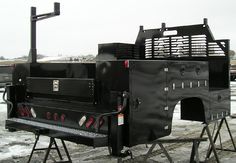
85 23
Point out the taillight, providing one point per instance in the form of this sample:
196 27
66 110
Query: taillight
63 117
55 116
126 63
90 122
82 120
48 115
21 111
26 111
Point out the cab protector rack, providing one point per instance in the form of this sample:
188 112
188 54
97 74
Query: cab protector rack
128 96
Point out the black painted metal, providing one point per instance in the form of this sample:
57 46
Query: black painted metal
129 95
34 18
160 142
216 136
49 148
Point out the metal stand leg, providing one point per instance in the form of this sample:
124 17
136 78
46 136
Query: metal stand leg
193 152
215 138
162 148
58 151
212 143
109 150
48 150
218 135
35 143
67 153
195 148
230 134
149 152
166 153
119 160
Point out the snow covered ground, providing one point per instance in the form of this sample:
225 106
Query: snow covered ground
16 146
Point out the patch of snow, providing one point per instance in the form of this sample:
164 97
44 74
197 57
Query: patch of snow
14 151
52 58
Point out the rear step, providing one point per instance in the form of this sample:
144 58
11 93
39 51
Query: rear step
65 133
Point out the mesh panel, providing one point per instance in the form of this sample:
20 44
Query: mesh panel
182 46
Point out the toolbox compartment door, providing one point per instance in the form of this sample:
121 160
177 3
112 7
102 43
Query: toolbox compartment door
148 117
81 89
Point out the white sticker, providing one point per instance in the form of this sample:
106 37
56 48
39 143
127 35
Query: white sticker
120 119
55 85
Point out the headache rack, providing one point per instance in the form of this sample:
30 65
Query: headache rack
128 96
180 42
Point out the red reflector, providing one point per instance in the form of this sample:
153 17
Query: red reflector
126 63
27 111
48 115
55 116
21 112
63 116
90 122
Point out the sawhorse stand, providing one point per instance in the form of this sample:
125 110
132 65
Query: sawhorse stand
214 136
194 154
49 148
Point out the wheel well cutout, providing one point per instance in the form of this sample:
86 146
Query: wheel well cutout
192 109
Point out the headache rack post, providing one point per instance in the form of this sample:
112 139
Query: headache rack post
33 19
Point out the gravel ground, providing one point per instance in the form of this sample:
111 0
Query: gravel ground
15 147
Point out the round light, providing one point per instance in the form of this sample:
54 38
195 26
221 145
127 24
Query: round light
33 112
63 117
55 116
48 115
21 112
82 120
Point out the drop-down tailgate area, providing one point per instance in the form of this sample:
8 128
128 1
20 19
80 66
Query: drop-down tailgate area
65 133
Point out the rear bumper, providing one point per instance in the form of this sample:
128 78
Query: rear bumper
69 134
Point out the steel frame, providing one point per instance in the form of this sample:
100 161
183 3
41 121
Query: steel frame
194 153
214 136
49 148
194 157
